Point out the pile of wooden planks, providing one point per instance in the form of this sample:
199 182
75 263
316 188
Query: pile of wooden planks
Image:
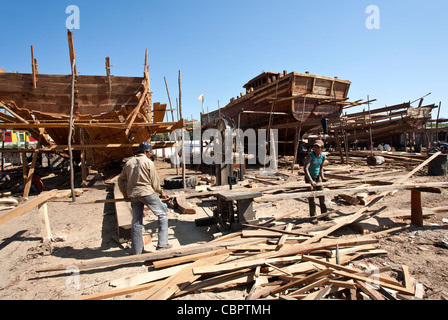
273 262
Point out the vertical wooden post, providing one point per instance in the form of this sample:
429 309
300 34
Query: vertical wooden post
370 127
183 137
169 99
71 132
416 208
83 157
346 147
338 143
28 177
45 222
71 48
296 148
24 168
109 81
33 67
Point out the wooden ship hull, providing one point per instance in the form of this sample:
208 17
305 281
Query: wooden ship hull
106 117
393 125
108 112
287 102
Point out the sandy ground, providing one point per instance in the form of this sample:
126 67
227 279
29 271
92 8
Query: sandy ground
86 231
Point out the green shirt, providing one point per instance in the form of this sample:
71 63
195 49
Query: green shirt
315 164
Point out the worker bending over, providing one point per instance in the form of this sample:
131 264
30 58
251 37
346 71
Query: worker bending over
139 182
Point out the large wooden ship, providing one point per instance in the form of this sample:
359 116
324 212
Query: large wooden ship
100 118
284 101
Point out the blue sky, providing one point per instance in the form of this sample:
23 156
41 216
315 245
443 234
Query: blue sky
220 45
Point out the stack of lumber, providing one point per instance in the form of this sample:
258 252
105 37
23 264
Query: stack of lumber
277 262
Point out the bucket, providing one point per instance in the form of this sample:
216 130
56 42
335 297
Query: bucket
437 167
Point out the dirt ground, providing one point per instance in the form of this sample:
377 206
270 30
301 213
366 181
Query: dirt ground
86 231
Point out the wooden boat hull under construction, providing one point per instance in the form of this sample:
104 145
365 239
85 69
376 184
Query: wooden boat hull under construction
99 118
285 102
107 111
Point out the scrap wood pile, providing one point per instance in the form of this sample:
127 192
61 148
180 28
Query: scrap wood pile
279 263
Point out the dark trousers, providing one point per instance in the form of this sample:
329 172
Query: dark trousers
312 203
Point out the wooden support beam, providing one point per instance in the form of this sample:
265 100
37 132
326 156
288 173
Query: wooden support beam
45 222
33 67
29 177
131 118
416 208
71 48
83 157
28 206
109 81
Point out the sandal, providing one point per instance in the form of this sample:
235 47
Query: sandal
168 246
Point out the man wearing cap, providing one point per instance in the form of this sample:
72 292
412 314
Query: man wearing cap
139 182
314 173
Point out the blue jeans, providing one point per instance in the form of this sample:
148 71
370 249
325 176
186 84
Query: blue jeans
154 203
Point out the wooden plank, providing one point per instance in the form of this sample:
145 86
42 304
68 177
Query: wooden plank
342 284
309 279
302 267
132 116
408 280
350 270
343 221
192 257
159 111
118 292
242 195
309 287
271 231
419 290
319 294
147 257
304 249
213 281
30 204
184 206
283 238
381 283
233 266
369 291
407 176
141 278
123 214
178 281
45 222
